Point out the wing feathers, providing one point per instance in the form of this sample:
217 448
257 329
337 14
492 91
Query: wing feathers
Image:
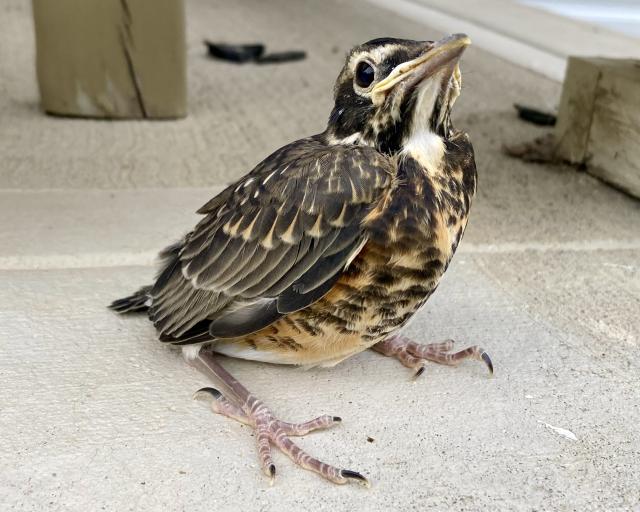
272 243
208 255
217 267
262 287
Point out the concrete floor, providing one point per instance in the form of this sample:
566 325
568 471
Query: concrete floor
96 415
619 15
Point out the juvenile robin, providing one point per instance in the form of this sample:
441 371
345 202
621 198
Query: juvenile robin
329 245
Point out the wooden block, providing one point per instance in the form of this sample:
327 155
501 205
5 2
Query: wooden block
576 109
111 58
614 138
599 119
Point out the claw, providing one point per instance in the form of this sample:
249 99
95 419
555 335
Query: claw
419 372
271 470
337 418
487 361
354 475
205 393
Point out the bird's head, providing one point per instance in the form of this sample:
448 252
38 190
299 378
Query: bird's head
391 89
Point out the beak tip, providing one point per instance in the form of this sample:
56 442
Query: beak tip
462 39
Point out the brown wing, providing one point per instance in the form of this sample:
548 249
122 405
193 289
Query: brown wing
272 243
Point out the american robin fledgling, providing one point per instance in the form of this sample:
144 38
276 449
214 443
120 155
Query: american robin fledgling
332 243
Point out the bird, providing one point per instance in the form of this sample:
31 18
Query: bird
331 244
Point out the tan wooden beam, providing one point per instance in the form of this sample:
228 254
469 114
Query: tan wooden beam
111 58
599 119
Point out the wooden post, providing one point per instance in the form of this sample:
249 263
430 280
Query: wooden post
111 58
599 119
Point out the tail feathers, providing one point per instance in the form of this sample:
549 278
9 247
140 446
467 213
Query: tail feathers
138 302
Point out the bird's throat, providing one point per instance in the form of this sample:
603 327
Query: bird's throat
427 148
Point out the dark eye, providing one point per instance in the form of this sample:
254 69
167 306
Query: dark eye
364 74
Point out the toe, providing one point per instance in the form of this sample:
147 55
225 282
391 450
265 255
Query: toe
300 429
444 346
306 461
264 452
220 404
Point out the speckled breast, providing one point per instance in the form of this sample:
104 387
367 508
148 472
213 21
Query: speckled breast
412 236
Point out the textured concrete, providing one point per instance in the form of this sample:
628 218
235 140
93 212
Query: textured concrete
535 38
537 210
237 114
96 415
557 35
84 228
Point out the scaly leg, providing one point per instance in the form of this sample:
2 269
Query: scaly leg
415 355
242 406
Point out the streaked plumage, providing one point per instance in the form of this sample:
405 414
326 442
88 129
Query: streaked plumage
271 244
332 243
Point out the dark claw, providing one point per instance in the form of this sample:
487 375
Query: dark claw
209 391
272 471
337 418
346 473
487 361
419 372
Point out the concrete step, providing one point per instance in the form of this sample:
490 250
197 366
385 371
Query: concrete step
93 228
97 413
528 209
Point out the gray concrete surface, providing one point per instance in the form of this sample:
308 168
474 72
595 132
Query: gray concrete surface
535 38
237 114
96 415
619 15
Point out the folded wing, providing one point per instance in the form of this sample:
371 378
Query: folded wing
272 243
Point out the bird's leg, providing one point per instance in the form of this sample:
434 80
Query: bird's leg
415 355
242 406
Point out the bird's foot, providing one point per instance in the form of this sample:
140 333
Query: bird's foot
415 355
272 431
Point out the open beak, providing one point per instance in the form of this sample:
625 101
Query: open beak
443 54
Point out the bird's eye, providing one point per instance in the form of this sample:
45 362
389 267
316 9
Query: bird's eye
364 74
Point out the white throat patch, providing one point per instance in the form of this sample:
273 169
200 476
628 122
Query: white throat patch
424 145
427 148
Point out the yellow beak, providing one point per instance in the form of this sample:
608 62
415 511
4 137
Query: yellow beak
443 52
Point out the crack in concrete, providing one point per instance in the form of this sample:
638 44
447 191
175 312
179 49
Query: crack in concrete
126 38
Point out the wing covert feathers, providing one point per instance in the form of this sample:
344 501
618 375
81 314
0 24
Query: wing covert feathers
272 243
